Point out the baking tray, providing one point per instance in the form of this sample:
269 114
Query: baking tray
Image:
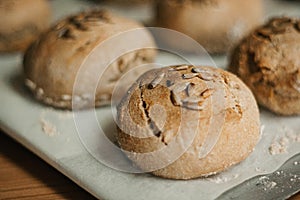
52 134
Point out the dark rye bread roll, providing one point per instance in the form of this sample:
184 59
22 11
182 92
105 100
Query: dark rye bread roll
268 61
183 122
216 24
22 21
52 63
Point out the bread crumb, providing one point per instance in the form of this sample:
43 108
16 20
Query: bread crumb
49 128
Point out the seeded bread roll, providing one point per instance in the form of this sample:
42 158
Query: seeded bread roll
184 122
216 24
22 22
269 63
63 55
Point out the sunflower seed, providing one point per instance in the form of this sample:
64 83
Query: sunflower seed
234 85
86 96
62 103
48 100
189 89
104 97
197 70
102 15
77 22
192 100
189 76
66 33
193 106
296 81
167 136
280 29
265 32
30 84
206 93
206 76
66 97
179 67
175 99
77 98
296 87
180 86
156 80
39 92
281 22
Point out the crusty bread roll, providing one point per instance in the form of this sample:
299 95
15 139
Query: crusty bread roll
216 24
183 122
22 21
269 63
62 57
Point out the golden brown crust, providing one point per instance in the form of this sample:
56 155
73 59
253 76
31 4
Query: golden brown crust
52 62
268 61
217 25
180 110
22 22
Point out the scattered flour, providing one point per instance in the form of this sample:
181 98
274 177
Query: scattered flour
266 183
281 144
291 135
278 147
258 169
48 128
222 179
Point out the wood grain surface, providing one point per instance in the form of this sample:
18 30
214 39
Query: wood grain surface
23 175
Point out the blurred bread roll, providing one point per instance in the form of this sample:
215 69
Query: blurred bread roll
22 21
267 60
83 56
216 24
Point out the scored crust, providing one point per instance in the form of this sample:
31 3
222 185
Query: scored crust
51 64
22 22
216 24
269 63
177 108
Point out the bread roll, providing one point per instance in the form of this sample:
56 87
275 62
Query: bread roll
183 122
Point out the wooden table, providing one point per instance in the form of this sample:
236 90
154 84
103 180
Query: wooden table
23 175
